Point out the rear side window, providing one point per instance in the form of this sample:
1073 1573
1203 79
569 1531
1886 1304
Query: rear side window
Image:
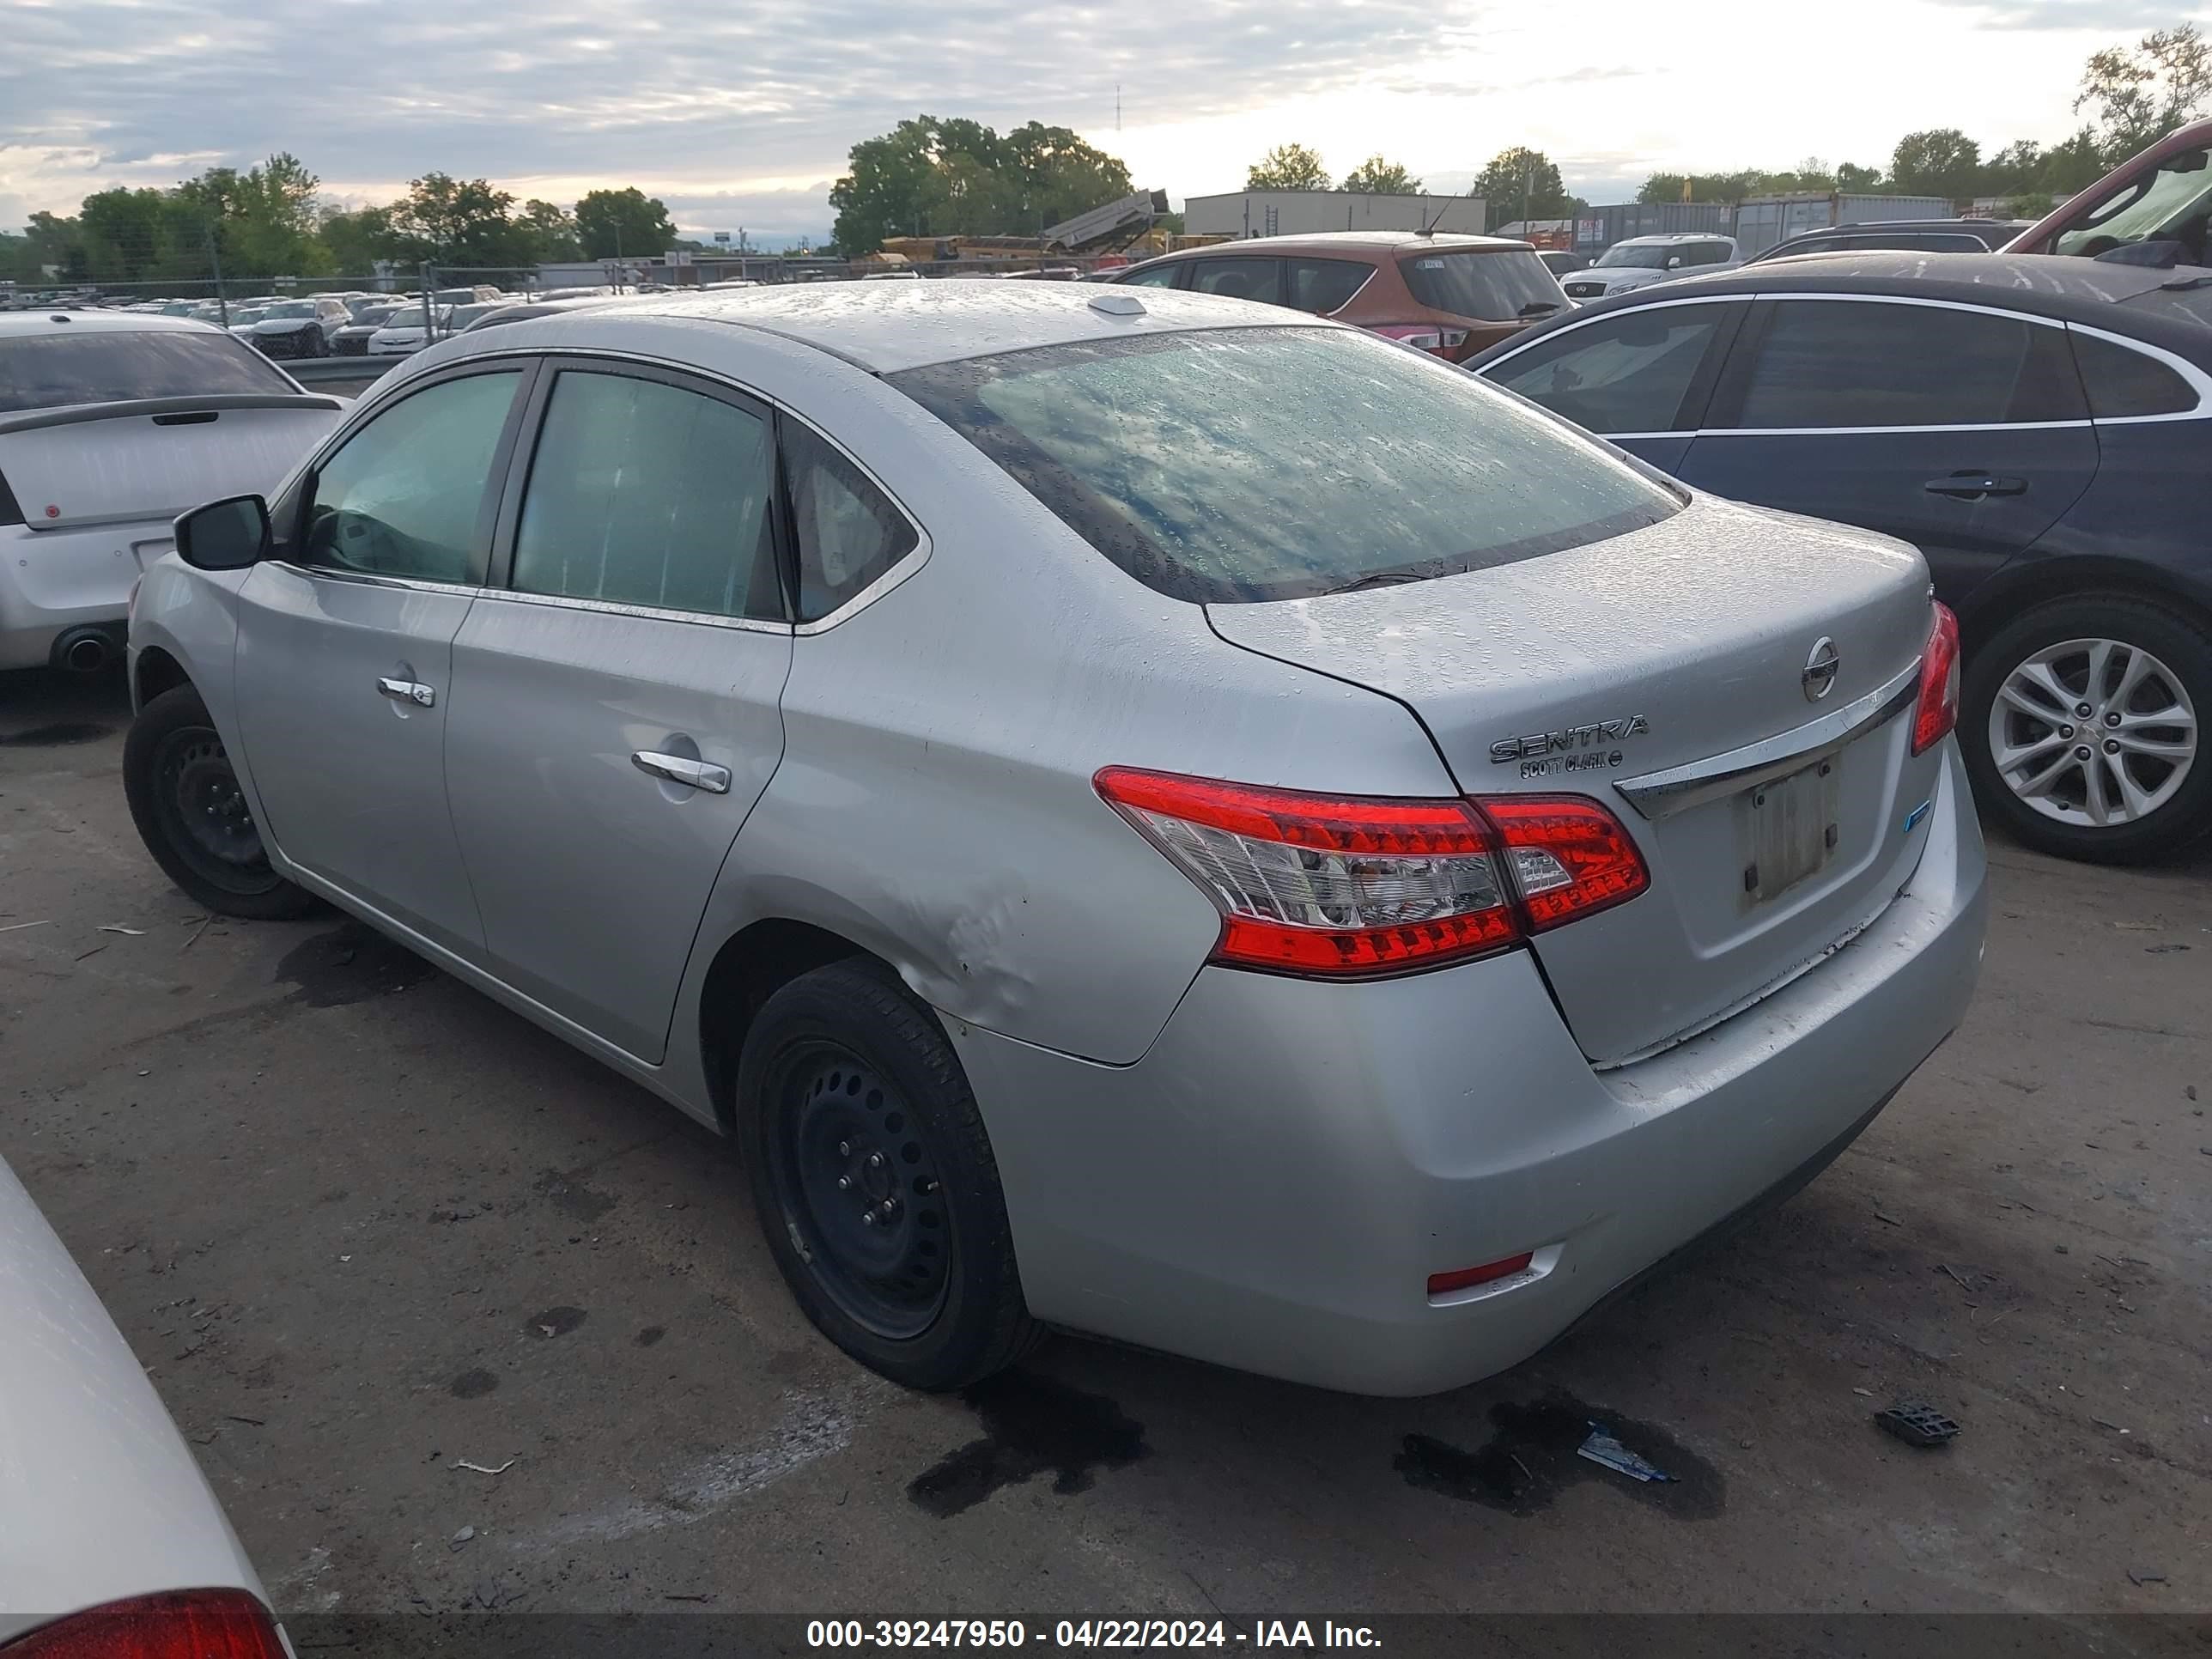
1321 286
849 532
2122 382
646 494
1276 464
1846 363
1166 275
1705 253
1627 373
1491 286
1237 279
50 371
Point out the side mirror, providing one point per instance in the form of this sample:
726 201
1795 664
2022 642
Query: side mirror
1674 262
227 535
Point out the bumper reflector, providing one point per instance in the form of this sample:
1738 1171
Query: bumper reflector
1460 1278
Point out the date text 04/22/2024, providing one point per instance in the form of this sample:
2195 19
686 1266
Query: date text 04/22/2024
1087 1633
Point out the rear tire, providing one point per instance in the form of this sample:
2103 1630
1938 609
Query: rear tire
185 798
874 1180
2150 776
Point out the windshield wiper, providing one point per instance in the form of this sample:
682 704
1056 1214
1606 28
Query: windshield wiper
1376 579
1537 307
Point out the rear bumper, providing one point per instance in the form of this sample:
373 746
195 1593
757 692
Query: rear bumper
53 581
1272 1185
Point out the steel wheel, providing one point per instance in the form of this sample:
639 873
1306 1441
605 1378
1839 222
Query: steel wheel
2093 732
849 1161
206 812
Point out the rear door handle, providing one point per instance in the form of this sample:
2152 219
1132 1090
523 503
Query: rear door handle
412 691
1972 486
681 769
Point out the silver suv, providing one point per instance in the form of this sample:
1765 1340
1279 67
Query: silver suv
1140 813
1640 261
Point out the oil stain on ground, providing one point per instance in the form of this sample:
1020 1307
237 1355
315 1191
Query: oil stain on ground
349 964
572 1198
472 1385
57 735
1530 1458
1032 1425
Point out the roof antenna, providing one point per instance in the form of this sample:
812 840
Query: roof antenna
1430 228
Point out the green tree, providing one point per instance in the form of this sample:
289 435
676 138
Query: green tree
1854 179
357 239
126 234
1941 161
931 176
1288 166
1376 177
1705 187
2137 95
1521 184
624 223
2072 167
552 229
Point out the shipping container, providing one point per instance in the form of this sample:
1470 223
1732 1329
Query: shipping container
1764 221
1599 227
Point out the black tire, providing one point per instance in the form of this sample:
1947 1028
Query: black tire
185 801
2183 648
843 1074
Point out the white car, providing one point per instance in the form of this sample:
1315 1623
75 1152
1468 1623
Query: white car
111 424
110 1541
1642 260
405 333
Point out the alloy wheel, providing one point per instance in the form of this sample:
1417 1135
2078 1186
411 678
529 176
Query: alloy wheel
2093 732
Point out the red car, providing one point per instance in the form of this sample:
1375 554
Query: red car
1453 296
2161 194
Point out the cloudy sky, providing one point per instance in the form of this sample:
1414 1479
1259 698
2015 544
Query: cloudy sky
738 113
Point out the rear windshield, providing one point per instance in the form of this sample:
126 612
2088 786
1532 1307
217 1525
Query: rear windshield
47 371
1242 465
1490 287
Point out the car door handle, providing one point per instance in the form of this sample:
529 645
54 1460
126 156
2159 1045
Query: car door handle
681 769
1972 486
414 691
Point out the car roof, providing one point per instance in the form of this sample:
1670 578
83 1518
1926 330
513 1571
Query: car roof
1670 237
885 327
99 322
2159 304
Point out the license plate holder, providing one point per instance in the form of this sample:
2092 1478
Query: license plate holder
1786 830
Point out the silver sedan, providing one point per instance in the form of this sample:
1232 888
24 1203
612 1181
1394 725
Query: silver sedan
1141 816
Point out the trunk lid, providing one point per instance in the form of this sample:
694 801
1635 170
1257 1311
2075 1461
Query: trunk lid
1663 672
125 463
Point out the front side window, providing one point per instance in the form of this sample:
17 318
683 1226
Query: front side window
1628 256
1848 363
1484 286
643 493
1321 285
849 533
1231 465
1237 279
1627 373
110 366
404 495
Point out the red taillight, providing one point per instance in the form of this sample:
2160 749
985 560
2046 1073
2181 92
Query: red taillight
1570 857
1343 886
1460 1278
210 1624
1938 710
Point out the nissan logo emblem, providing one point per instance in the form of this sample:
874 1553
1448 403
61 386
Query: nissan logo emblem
1820 676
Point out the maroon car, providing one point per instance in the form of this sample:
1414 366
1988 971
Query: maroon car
1450 294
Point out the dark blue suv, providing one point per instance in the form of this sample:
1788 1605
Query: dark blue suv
2040 428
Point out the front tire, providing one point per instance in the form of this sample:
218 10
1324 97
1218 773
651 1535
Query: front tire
185 800
875 1182
2082 723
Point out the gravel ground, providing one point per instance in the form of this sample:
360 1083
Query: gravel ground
456 1319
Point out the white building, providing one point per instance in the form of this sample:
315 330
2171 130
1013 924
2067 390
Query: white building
1304 212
